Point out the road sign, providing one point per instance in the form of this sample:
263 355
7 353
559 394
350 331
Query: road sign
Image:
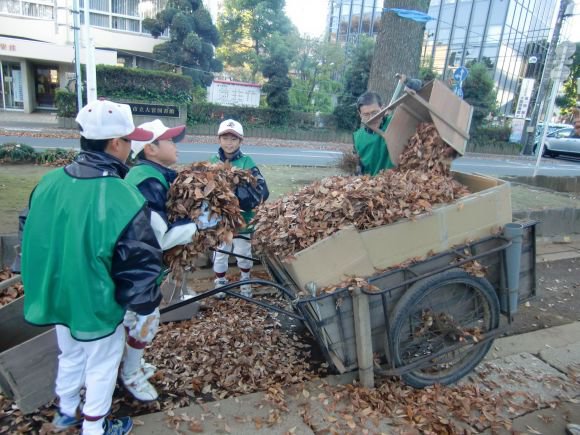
460 74
458 91
561 72
566 49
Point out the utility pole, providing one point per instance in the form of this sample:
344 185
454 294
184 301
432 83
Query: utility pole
77 39
90 57
545 80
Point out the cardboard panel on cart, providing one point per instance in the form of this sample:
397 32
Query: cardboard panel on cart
329 260
473 217
352 253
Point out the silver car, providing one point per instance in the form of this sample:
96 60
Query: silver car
560 142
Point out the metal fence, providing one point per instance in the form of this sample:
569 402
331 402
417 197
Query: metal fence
281 132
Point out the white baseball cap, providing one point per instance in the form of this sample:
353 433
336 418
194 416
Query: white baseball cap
231 126
103 119
160 132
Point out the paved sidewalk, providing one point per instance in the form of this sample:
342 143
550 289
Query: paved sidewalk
557 248
20 121
538 367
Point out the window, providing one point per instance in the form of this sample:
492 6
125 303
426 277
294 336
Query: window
126 7
37 8
125 24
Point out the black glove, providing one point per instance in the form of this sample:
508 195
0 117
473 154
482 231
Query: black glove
414 84
248 196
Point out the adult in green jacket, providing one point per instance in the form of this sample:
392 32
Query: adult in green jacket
369 146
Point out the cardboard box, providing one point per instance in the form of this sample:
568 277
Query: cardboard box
435 103
350 252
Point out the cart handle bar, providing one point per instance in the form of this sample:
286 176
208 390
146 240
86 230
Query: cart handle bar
226 289
234 254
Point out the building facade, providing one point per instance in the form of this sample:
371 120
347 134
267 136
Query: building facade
348 19
510 36
37 45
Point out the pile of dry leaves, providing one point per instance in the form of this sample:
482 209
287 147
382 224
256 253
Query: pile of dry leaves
233 348
422 180
11 293
214 184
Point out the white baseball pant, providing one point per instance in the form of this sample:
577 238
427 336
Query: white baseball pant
94 364
241 247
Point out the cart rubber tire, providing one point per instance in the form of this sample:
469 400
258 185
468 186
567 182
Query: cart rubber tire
456 281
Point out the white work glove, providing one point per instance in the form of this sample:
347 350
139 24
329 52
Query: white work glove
205 220
142 327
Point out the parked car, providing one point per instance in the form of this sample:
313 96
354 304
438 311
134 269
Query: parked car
559 142
552 127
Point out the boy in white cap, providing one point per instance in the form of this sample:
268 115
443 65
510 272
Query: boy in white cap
230 137
89 254
153 176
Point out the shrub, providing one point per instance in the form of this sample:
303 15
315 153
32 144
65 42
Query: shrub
56 157
143 85
17 153
66 103
494 140
348 162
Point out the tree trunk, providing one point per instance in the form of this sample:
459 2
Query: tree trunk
398 48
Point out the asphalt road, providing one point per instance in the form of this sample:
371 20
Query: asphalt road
491 165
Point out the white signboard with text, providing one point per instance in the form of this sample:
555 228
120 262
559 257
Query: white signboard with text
524 98
230 93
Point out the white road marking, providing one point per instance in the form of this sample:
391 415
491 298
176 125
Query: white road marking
262 154
321 151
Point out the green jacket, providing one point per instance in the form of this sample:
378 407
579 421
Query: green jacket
249 196
372 150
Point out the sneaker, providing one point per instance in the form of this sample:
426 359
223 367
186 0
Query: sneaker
220 282
246 289
573 429
117 426
62 422
139 386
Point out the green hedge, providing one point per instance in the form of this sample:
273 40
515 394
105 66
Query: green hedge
208 113
132 84
492 140
143 85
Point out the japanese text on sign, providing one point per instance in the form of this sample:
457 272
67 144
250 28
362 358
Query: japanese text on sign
154 110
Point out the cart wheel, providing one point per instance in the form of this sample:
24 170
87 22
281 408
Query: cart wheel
442 311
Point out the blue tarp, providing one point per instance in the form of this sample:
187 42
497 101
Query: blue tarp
409 14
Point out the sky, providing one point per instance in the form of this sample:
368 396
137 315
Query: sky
574 24
308 15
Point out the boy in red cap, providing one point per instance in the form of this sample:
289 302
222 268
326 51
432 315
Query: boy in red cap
89 254
153 176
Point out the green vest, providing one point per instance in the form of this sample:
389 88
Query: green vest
244 162
140 173
67 252
372 150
